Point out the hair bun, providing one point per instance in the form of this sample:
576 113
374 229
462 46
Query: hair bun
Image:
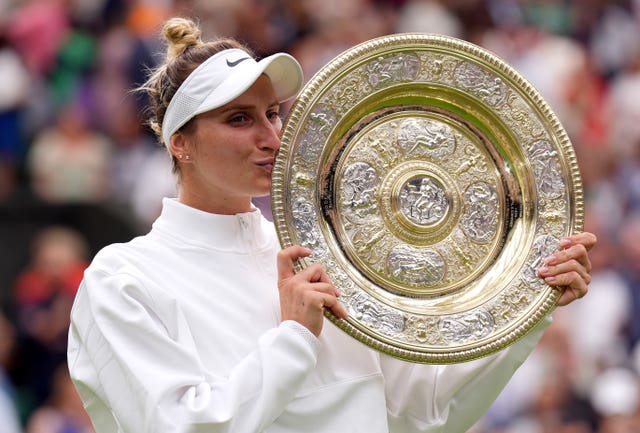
181 33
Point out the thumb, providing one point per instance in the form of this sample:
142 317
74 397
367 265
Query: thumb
286 258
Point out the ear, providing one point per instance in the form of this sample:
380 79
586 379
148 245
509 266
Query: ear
178 145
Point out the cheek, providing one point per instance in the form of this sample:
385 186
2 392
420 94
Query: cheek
225 161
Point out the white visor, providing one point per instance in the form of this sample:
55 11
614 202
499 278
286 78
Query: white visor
222 78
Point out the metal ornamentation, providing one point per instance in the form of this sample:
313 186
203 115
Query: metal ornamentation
430 180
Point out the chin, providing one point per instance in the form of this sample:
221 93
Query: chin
263 190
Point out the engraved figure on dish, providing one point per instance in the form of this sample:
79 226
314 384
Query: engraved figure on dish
479 221
463 328
388 321
398 68
304 217
425 203
544 159
422 330
370 243
426 138
359 186
490 88
321 120
416 267
474 160
377 145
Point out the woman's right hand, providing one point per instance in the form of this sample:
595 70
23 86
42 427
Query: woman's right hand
305 295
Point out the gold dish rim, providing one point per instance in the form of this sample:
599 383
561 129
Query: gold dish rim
405 42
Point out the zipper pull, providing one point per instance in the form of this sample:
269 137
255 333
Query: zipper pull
243 223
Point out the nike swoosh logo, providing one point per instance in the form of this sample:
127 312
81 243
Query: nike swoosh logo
236 62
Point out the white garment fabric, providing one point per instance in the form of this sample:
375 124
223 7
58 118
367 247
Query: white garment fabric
9 419
180 331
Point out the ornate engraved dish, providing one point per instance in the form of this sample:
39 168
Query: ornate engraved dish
430 179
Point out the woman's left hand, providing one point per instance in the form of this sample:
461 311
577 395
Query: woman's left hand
569 269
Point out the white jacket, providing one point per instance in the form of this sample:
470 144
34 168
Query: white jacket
179 331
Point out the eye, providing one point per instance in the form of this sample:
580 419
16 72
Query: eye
239 119
273 115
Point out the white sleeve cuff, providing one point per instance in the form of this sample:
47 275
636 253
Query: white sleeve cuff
303 332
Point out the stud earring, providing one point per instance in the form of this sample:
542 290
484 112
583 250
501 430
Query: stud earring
180 156
187 157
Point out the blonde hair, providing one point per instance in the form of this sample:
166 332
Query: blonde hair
180 34
185 52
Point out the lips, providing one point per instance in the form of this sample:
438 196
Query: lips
266 164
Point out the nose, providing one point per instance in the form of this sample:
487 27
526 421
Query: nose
270 134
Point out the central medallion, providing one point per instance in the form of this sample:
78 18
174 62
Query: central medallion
423 200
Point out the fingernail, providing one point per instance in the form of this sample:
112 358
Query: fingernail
565 242
550 280
543 270
551 260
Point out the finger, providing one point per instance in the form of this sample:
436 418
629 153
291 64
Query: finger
313 279
286 259
550 273
571 282
324 288
588 240
572 293
567 297
336 308
315 273
577 252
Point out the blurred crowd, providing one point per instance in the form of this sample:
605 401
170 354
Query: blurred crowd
72 136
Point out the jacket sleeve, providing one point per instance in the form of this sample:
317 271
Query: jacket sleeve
450 398
135 374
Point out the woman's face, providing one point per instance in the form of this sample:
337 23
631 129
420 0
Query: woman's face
231 152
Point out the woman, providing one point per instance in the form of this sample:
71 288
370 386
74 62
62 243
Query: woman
202 324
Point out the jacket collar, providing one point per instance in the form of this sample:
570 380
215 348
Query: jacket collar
237 232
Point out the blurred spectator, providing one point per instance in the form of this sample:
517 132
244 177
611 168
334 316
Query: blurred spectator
74 59
63 411
154 181
614 41
145 16
624 111
554 16
120 65
629 252
9 419
42 297
141 167
70 161
429 16
616 398
13 98
606 198
332 31
551 63
542 396
133 148
38 29
259 24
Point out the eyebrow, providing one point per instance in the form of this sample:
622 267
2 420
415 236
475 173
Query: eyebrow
245 107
